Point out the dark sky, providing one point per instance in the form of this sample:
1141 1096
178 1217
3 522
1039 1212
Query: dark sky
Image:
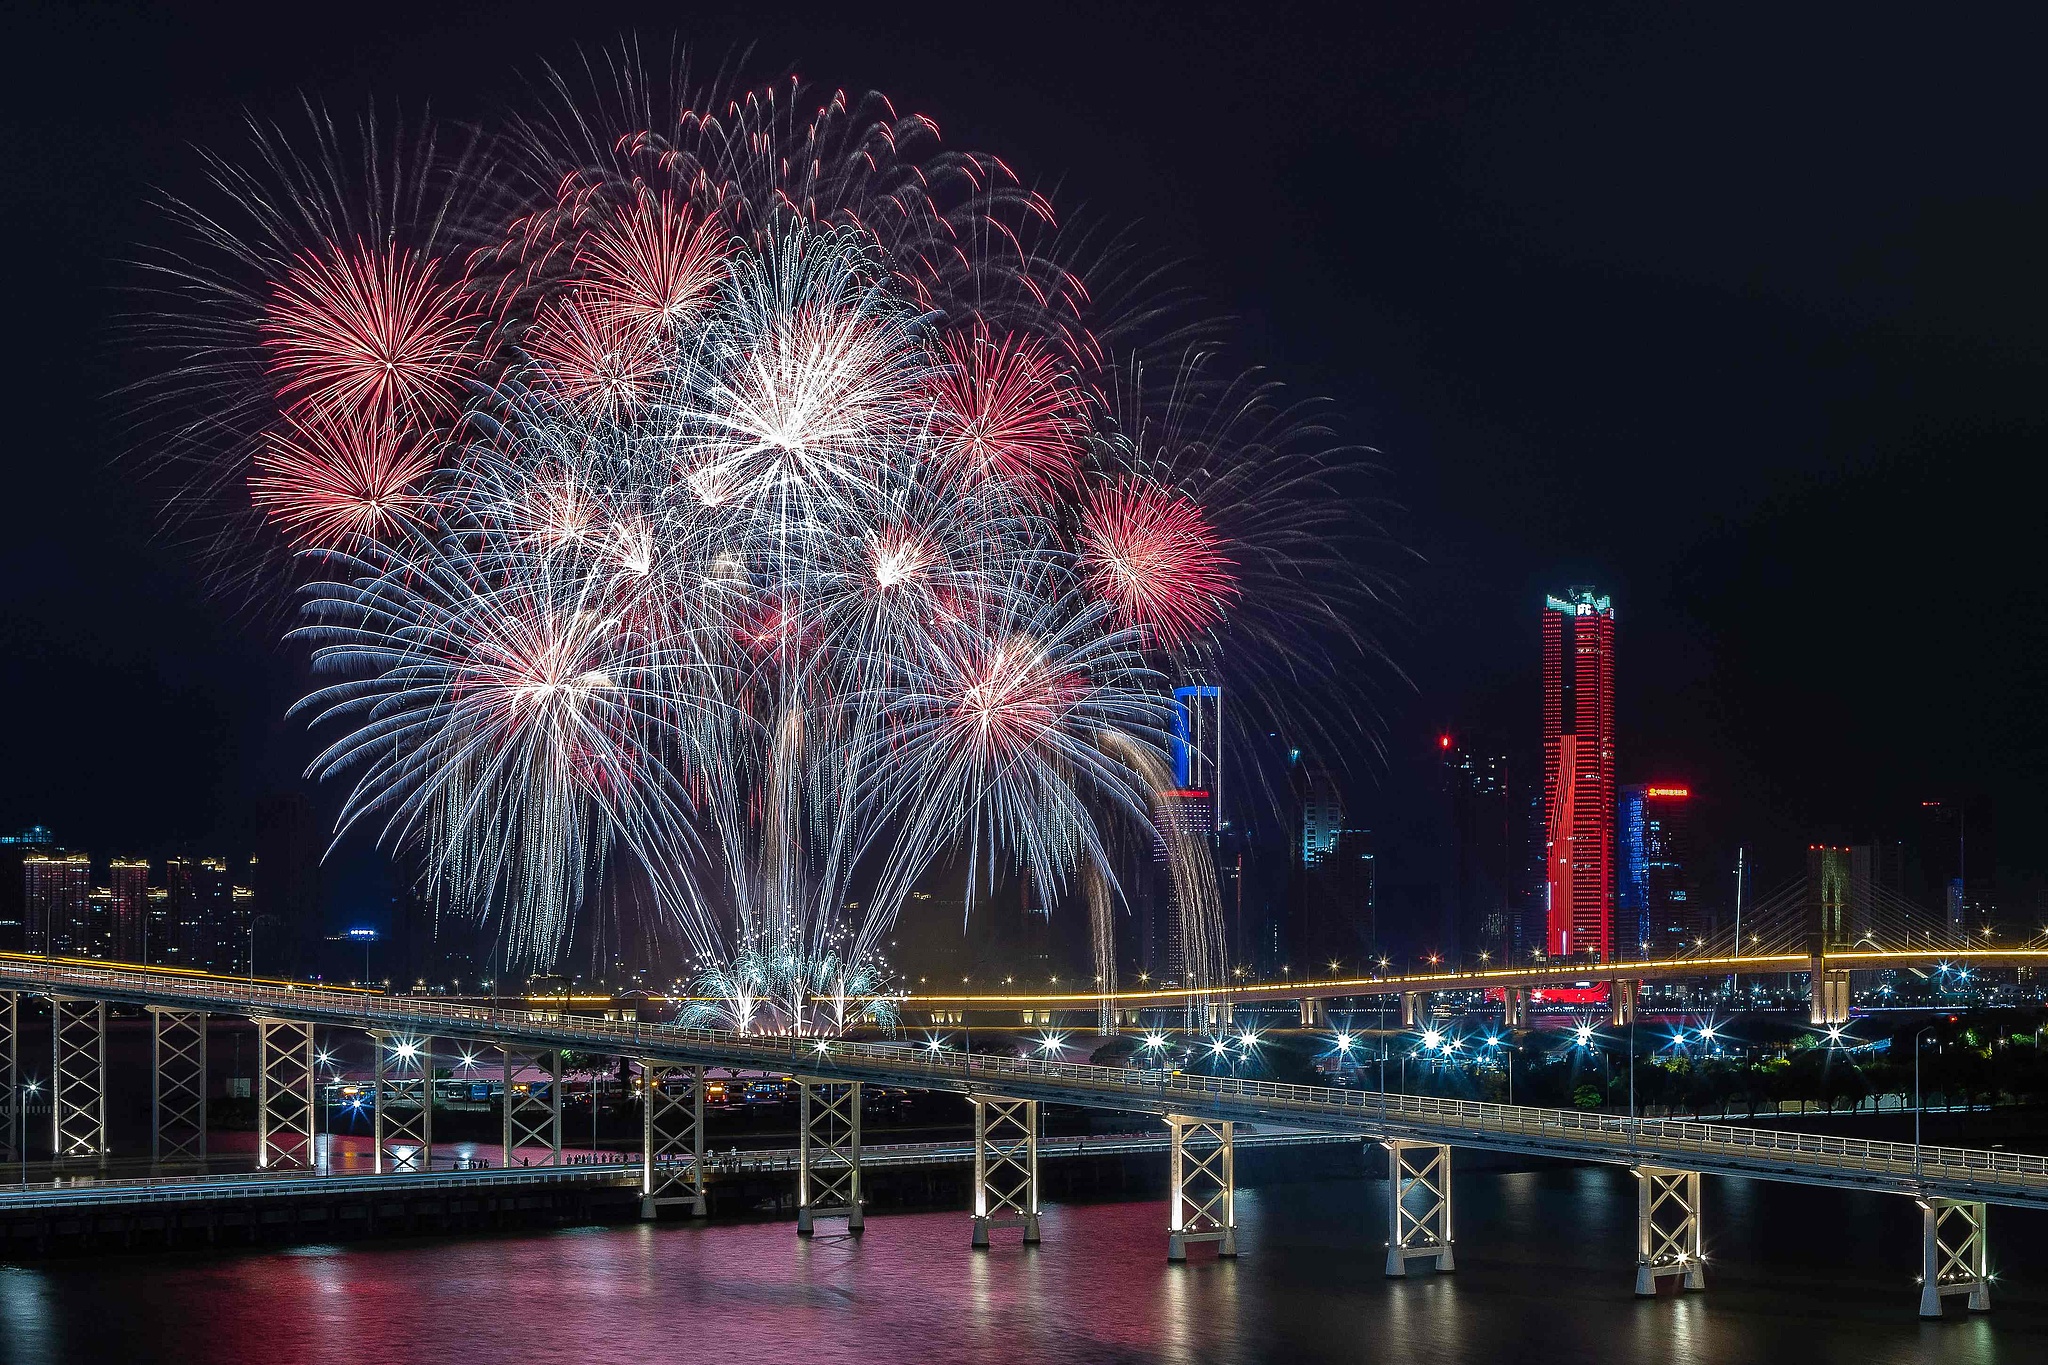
1739 314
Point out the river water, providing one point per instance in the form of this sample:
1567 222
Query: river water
1545 1263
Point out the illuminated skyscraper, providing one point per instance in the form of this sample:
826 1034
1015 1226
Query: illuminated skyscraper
1187 812
1578 772
1322 815
56 890
130 887
1476 911
1661 909
1198 746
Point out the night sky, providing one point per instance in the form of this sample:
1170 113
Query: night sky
1740 315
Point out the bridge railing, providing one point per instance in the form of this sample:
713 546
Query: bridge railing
948 1069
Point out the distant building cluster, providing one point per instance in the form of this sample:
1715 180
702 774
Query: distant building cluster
175 912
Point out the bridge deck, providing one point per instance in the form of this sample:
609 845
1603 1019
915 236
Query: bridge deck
1948 1172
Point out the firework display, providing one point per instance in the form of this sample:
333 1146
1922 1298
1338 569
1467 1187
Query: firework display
747 491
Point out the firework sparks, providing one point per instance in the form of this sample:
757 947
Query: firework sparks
1152 554
748 507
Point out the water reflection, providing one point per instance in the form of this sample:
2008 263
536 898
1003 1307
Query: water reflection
1545 1274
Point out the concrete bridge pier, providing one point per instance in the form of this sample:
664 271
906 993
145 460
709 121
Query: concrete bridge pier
1418 1206
1203 1185
1827 995
828 1153
1005 1167
1668 1229
1954 1255
1622 997
1515 1007
671 1140
1413 1007
1315 1012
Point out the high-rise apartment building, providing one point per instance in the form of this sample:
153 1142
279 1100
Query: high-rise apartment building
203 926
56 895
1578 772
128 881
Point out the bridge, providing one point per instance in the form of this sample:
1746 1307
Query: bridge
1954 1187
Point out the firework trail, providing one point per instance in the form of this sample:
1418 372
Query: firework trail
750 489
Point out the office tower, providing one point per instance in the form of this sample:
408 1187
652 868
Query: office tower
1661 910
1198 746
1322 815
1181 817
128 880
1578 772
1476 916
56 888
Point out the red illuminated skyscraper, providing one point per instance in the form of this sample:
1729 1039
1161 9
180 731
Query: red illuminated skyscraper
1578 772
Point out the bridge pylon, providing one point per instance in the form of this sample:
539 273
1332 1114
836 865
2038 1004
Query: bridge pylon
1954 1255
78 1079
1418 1206
1204 1185
1005 1167
177 1083
531 1121
403 1074
10 1075
671 1140
828 1153
1668 1229
285 1079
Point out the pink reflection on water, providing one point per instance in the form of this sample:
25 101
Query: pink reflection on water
909 1291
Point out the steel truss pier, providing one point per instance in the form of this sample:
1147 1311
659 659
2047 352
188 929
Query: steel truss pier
1418 1205
404 1076
78 1071
1668 1229
1005 1166
177 1116
532 1120
1954 1256
672 1141
10 1075
284 1094
1204 1185
828 1153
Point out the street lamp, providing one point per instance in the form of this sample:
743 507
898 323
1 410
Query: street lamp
1916 1099
31 1089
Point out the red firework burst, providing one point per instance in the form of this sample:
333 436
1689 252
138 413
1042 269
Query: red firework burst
1006 410
648 264
329 480
1155 558
377 330
597 359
